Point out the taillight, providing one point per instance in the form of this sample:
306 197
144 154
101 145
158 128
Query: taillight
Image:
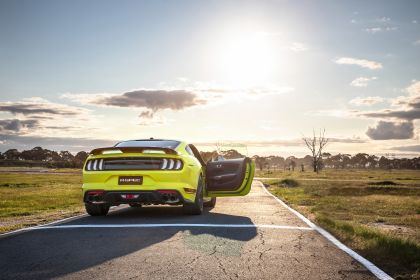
171 164
99 192
95 164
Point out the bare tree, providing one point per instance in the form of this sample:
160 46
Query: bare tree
316 144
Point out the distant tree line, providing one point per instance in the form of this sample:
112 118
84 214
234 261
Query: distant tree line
42 157
64 159
339 161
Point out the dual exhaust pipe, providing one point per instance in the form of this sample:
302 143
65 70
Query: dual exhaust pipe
169 196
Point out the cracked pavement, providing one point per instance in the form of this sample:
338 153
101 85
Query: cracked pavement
180 253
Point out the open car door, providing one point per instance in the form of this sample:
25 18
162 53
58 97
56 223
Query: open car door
231 177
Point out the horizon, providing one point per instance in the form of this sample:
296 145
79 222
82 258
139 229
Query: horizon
80 75
244 150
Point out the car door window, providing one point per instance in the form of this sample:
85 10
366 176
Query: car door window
188 150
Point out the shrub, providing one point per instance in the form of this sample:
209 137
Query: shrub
288 183
384 183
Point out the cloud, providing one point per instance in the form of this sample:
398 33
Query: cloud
382 25
385 130
346 140
411 114
383 19
359 62
153 99
39 106
146 115
54 143
38 116
414 88
366 101
374 30
416 43
298 47
197 94
16 126
148 118
407 107
362 81
391 28
410 148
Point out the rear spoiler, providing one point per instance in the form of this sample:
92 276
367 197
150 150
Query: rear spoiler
133 150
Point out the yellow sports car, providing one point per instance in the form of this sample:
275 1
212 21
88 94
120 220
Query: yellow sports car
156 171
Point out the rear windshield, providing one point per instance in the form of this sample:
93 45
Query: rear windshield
171 144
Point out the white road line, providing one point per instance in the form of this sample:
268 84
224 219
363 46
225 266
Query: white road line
366 263
169 225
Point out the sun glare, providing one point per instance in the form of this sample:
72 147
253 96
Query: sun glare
247 59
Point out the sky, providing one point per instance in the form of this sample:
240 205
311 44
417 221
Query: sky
75 75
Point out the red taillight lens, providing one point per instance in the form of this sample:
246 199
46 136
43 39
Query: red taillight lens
95 192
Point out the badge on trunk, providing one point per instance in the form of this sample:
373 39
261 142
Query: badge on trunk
130 180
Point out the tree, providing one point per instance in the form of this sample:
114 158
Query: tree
293 165
80 158
11 154
276 162
316 144
231 154
359 160
260 161
208 156
66 156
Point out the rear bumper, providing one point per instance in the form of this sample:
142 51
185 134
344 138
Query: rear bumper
127 197
155 180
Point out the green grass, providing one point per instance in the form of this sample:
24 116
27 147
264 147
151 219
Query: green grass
378 214
28 199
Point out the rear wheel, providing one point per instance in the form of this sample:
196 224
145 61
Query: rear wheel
211 203
97 209
195 208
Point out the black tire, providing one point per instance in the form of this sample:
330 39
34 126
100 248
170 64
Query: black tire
195 208
135 205
97 209
210 203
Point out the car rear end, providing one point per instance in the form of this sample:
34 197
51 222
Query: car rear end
138 175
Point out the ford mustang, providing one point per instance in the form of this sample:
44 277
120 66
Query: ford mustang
156 171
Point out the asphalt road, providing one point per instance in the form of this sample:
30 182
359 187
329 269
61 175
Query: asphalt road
162 243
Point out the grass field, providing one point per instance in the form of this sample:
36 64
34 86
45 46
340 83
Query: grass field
375 212
33 196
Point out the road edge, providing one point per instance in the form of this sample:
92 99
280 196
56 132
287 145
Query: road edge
379 273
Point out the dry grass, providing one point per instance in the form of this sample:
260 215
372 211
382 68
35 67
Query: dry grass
377 213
